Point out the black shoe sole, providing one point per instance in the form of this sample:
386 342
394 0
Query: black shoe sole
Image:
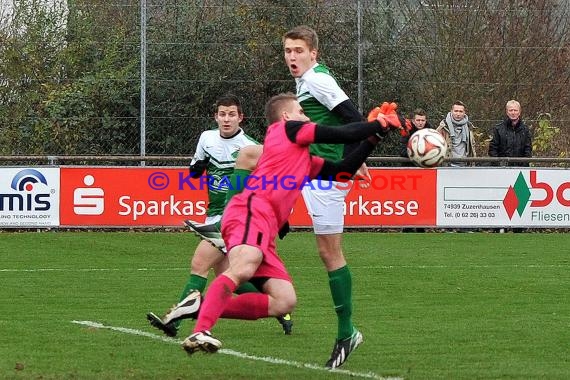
157 323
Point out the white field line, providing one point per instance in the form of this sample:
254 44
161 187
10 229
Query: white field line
514 266
267 359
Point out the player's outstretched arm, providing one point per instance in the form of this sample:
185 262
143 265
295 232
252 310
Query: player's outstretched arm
379 123
382 119
343 170
348 133
348 112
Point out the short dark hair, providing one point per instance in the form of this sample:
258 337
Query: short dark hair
305 33
419 111
459 103
275 105
228 100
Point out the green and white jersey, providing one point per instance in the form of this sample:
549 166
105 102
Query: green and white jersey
222 153
318 93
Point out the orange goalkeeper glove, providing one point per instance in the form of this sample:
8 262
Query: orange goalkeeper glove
386 115
388 118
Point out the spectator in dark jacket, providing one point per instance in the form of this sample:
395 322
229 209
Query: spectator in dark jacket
511 137
419 121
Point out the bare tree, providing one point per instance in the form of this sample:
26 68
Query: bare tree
483 53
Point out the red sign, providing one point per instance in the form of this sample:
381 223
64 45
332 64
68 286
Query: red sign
92 196
395 197
134 196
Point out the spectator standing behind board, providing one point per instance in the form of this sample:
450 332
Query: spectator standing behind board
511 137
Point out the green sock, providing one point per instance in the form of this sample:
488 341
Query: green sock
246 287
194 282
237 182
340 282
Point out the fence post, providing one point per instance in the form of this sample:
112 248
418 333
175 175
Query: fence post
143 82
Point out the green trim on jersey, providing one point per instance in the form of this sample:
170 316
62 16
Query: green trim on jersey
222 154
320 114
216 188
320 68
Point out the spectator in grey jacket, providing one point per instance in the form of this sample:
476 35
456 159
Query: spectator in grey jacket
511 137
457 131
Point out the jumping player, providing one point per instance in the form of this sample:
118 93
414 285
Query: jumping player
326 103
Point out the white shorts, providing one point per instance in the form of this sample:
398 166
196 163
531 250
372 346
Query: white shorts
325 204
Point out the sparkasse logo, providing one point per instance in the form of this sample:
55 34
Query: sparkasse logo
88 200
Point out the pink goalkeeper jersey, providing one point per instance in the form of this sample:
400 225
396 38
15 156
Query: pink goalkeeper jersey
284 168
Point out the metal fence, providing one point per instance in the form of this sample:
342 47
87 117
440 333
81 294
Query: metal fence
138 78
174 160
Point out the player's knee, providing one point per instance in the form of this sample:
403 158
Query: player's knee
241 273
290 304
199 266
328 254
332 260
285 303
240 276
203 260
220 267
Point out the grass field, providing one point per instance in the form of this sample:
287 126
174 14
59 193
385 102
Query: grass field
430 306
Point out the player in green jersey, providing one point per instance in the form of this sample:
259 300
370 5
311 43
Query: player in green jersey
216 154
324 102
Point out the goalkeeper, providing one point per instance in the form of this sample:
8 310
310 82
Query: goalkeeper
216 153
252 219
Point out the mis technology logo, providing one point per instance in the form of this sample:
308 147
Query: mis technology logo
24 180
31 200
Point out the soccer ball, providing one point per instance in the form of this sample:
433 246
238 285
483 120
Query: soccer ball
427 148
